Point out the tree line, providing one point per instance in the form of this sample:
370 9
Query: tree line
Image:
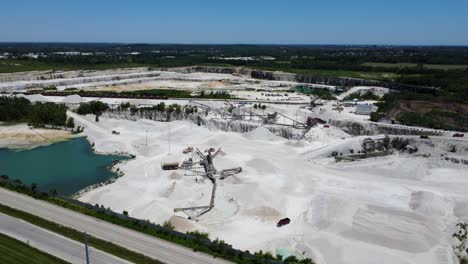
13 109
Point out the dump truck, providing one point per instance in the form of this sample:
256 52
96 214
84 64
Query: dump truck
283 222
170 166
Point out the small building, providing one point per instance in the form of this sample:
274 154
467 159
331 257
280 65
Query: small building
364 109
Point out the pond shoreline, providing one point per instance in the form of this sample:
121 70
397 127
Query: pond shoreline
70 166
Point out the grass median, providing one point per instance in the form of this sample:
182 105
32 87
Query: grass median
15 251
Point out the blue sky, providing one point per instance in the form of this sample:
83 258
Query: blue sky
414 22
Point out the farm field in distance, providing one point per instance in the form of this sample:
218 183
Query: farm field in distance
413 65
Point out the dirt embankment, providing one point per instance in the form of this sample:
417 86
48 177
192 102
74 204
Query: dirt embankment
424 107
21 136
447 115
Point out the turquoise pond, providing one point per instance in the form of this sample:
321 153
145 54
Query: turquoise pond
66 166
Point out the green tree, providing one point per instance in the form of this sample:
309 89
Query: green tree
70 122
161 107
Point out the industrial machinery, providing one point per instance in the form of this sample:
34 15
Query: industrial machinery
212 174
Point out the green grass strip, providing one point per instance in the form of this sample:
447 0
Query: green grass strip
97 243
15 251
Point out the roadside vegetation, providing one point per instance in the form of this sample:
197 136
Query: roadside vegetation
14 109
15 251
197 241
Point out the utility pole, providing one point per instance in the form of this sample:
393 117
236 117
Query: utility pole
86 247
169 138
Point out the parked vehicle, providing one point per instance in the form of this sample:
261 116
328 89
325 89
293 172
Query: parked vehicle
458 135
424 136
326 126
282 222
187 150
170 166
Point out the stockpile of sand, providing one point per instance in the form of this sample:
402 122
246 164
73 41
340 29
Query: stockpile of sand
36 98
72 99
379 91
261 133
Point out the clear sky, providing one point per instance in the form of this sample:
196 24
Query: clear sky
429 22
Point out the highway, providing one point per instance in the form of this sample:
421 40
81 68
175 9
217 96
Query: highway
54 244
148 245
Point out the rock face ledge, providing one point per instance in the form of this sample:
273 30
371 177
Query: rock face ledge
309 78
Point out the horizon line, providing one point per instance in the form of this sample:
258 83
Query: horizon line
230 44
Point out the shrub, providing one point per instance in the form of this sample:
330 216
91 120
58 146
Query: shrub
70 122
168 224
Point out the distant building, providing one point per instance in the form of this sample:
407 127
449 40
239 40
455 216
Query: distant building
364 109
5 55
68 53
31 55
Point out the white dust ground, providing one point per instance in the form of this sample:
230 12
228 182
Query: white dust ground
396 209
